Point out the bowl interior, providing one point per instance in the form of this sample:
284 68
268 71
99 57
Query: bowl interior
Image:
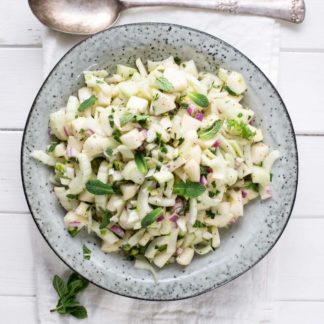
243 244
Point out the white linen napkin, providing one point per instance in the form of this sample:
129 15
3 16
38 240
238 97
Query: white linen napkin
245 300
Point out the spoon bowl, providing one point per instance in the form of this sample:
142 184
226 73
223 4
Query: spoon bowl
76 16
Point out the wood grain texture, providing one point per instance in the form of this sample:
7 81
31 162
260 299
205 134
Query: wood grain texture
18 310
28 30
21 76
11 193
299 261
306 36
300 312
18 26
16 272
301 84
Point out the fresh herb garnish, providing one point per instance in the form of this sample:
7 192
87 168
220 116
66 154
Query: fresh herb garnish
87 103
74 231
162 248
141 162
242 129
111 121
230 91
210 132
155 97
86 252
164 84
125 119
97 187
204 170
59 168
188 189
211 194
271 176
184 104
67 304
133 118
199 99
116 135
70 196
105 218
151 217
252 186
177 60
52 146
210 214
117 165
109 151
141 118
199 224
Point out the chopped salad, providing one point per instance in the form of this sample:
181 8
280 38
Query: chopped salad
156 159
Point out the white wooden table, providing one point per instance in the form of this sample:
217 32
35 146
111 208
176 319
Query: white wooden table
299 288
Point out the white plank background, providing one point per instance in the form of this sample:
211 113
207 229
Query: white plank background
299 268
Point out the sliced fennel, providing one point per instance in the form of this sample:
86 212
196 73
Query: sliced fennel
155 159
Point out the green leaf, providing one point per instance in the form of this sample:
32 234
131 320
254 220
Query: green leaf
59 286
67 292
151 217
184 104
74 231
76 284
164 84
97 187
177 60
87 103
125 119
141 162
199 99
70 196
86 252
162 248
210 132
230 91
241 129
79 312
116 135
60 168
199 224
105 219
204 170
252 186
141 118
109 151
188 189
111 121
52 146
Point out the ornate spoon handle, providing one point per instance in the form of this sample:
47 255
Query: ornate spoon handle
289 10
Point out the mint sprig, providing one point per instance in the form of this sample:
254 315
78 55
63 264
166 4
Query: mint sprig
87 103
164 84
188 189
97 187
199 99
67 303
210 132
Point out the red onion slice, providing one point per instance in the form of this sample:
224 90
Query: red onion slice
117 230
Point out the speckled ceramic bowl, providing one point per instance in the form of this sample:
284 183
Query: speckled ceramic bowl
243 245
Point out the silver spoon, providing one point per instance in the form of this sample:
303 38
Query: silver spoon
85 17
